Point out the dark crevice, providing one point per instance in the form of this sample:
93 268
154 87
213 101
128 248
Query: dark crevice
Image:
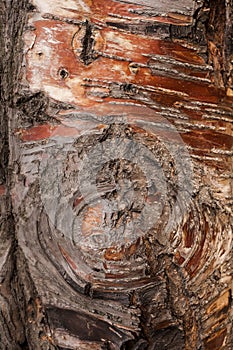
140 344
87 55
25 346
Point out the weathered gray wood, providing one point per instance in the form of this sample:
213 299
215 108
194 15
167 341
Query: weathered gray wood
165 6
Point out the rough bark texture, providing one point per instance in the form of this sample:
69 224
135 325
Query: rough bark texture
116 175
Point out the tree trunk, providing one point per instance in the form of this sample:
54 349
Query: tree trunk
116 175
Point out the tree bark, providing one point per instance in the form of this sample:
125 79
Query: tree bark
116 175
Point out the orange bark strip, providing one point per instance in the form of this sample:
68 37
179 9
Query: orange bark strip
53 62
37 133
216 341
46 131
189 235
207 140
114 254
194 264
68 258
220 303
179 259
2 190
